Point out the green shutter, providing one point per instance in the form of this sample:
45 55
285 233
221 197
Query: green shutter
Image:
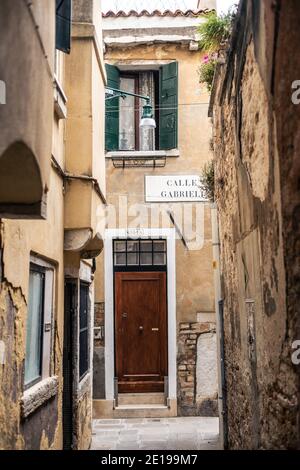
112 110
63 25
168 102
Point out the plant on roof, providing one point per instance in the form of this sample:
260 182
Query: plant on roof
215 31
214 34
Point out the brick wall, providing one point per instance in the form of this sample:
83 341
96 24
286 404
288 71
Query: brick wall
187 367
99 323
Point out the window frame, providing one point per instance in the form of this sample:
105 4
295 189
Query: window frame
81 330
138 104
48 270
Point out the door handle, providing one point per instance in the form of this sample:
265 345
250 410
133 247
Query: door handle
141 328
155 329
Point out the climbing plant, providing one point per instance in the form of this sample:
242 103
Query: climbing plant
207 70
208 180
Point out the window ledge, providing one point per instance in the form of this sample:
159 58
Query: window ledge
60 100
84 384
38 394
143 154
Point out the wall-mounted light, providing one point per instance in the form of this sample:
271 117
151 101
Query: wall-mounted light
147 119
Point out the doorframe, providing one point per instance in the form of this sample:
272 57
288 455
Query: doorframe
70 307
169 234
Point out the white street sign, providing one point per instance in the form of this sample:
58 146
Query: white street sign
174 188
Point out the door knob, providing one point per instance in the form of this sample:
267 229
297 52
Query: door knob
141 328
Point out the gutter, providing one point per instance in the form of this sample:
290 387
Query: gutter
69 176
219 327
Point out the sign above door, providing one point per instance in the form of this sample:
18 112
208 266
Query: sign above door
174 188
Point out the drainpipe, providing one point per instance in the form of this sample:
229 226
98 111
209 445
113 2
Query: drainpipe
219 323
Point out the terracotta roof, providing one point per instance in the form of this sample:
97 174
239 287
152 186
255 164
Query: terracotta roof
186 13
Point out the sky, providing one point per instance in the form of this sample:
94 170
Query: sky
222 5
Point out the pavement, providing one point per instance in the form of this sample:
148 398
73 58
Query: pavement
195 433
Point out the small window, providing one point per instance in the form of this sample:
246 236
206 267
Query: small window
122 116
84 330
140 253
39 324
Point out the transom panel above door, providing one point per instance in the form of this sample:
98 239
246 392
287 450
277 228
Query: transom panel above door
140 255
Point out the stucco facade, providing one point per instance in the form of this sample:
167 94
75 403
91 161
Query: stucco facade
43 414
256 144
127 47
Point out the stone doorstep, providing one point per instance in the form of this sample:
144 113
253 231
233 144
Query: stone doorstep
143 411
141 407
105 409
141 399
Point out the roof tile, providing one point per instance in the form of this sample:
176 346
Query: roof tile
186 13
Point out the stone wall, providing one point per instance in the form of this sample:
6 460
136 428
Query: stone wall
257 143
190 365
99 359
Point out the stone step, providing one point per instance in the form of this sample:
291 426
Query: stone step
107 409
142 411
141 399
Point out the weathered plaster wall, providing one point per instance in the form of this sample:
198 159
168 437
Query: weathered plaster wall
255 129
83 418
29 116
43 428
206 374
26 129
125 189
84 86
194 266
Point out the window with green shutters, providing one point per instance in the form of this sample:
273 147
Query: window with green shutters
63 25
164 99
168 106
112 110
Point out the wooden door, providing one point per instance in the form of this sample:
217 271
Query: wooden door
141 331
